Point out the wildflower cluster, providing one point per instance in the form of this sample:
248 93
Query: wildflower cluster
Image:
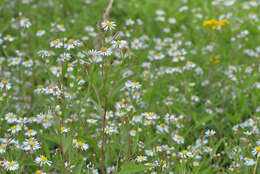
145 89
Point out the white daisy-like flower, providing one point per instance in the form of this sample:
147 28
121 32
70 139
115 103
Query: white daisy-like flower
63 129
11 165
40 33
28 63
5 84
132 133
56 71
119 44
42 160
104 51
30 133
178 139
9 38
91 121
210 133
141 158
10 117
31 144
56 43
72 44
80 145
2 148
185 154
256 151
249 161
150 116
149 152
108 25
162 128
137 119
61 27
24 22
14 129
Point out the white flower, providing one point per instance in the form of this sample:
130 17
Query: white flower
56 43
132 133
24 22
229 2
5 84
150 116
42 160
210 133
30 133
72 44
2 148
108 25
137 119
179 139
141 158
149 152
185 154
119 44
80 145
15 129
40 33
129 22
61 27
163 127
27 63
10 117
256 151
31 144
249 161
9 38
11 165
91 121
105 51
63 129
56 71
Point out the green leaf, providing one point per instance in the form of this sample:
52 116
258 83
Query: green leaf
131 168
205 119
78 168
67 143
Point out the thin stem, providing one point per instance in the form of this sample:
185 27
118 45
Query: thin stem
255 168
104 117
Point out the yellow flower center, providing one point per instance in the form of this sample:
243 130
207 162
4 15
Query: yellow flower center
38 172
9 36
108 23
2 146
11 116
258 149
56 42
5 82
80 143
30 131
103 49
43 159
11 163
184 152
70 41
13 127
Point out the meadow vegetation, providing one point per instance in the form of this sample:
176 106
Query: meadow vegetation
129 86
